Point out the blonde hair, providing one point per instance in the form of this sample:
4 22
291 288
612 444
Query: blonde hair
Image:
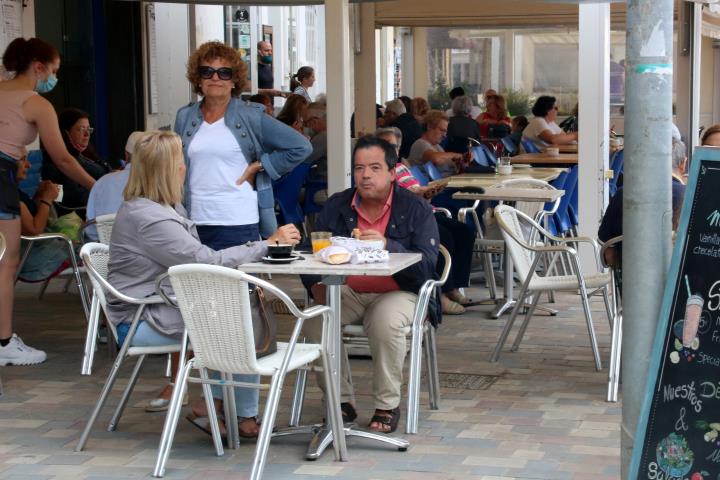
154 175
434 117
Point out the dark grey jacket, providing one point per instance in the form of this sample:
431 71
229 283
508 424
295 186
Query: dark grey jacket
147 239
412 229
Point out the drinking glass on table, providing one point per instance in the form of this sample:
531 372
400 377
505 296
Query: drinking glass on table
320 240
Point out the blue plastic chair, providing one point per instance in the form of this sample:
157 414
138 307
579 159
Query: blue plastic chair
483 156
312 186
509 145
529 146
32 180
287 192
420 175
562 217
433 171
617 162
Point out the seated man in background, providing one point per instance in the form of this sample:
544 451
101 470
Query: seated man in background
384 305
611 225
106 195
314 119
396 115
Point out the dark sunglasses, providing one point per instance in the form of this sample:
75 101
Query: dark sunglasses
224 73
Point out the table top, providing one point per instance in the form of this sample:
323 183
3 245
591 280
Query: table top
544 158
312 266
513 194
485 180
569 148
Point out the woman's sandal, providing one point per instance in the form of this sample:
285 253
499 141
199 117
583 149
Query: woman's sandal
388 419
349 414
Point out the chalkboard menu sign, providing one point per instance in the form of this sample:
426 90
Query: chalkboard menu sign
678 435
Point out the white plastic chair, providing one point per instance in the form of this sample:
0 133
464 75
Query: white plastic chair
215 305
526 257
616 324
95 256
422 335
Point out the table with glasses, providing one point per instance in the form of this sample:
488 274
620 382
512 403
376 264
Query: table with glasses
545 159
333 276
510 194
485 180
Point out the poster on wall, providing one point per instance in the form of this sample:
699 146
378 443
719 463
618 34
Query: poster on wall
678 435
10 25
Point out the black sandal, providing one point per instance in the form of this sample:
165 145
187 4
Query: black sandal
349 414
388 419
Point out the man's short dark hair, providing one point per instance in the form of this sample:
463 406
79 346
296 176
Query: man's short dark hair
370 141
543 105
457 92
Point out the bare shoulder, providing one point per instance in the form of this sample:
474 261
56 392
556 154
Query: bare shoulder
36 106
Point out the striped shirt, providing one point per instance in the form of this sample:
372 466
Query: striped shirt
404 177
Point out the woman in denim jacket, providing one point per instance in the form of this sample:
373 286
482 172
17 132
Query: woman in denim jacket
233 151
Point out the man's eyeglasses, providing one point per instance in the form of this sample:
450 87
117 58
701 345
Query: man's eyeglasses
224 73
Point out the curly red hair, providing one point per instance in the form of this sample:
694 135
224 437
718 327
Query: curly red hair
209 51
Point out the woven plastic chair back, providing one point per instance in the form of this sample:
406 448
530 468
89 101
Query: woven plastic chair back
96 257
513 228
104 225
215 305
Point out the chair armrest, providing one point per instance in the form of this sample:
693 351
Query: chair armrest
168 299
45 236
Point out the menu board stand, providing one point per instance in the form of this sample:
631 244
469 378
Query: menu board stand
678 434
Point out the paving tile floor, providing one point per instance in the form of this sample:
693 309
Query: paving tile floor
542 415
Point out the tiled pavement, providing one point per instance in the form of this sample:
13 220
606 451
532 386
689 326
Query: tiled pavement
543 417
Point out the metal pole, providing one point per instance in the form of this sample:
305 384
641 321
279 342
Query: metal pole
647 212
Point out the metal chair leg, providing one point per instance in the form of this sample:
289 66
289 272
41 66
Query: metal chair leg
43 288
298 397
588 320
112 426
171 420
263 441
433 374
91 337
495 356
212 414
332 400
523 327
413 402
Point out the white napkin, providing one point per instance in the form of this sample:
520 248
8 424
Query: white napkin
362 251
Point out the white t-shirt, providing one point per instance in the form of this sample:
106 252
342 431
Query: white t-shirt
538 125
215 163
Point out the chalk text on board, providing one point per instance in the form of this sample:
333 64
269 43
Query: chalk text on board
684 392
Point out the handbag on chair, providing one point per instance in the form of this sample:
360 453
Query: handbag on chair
264 324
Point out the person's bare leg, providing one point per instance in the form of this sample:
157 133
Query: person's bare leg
8 266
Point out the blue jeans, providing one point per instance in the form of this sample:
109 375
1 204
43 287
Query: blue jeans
219 237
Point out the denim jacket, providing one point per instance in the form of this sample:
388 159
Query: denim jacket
261 138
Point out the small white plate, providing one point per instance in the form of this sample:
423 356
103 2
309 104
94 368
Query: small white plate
281 260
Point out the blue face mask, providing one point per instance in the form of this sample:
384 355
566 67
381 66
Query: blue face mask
44 86
266 58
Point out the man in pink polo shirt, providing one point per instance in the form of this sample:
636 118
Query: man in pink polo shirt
383 305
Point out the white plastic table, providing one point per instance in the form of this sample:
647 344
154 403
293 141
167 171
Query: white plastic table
334 277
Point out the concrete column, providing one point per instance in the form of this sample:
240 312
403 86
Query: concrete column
337 31
696 56
647 208
495 63
683 69
420 63
386 65
594 118
365 71
407 70
509 59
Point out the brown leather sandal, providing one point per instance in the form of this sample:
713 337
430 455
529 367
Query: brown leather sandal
388 419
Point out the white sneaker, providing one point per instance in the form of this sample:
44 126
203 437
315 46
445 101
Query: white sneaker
17 353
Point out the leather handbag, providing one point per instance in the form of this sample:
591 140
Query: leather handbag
264 324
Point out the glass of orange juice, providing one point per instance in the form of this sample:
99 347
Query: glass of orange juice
320 240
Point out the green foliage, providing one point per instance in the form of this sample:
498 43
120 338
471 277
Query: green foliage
439 99
518 102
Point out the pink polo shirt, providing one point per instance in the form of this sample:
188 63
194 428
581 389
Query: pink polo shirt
363 283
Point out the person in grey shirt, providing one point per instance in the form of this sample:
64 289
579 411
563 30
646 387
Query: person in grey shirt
152 233
427 148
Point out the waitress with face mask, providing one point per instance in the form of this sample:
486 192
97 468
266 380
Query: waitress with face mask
23 114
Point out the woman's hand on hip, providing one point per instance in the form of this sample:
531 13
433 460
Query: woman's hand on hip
249 174
286 234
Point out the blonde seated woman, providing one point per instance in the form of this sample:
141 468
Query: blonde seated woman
152 233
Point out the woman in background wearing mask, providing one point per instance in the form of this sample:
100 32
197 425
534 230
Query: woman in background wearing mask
76 130
24 114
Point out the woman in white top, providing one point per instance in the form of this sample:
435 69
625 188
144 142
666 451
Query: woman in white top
24 114
542 129
301 81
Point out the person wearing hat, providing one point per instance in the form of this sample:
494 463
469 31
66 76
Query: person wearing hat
106 195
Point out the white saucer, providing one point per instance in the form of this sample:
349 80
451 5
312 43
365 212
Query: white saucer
269 259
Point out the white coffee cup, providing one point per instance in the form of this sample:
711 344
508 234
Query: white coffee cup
552 151
60 194
504 169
